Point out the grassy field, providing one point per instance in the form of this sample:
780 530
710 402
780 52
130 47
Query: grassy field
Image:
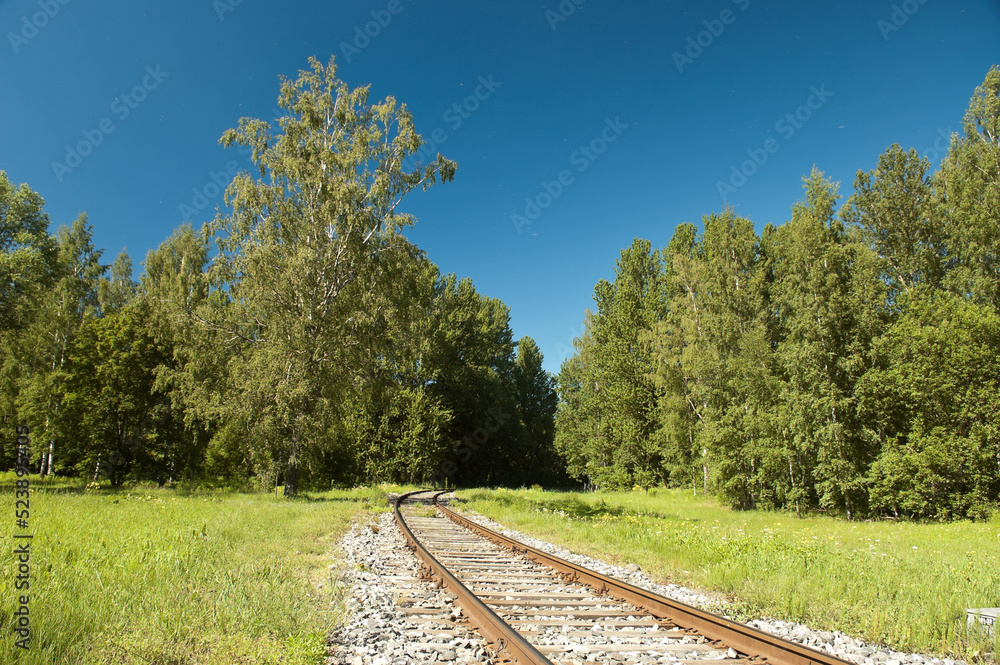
161 576
902 584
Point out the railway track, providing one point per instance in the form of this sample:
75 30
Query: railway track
535 608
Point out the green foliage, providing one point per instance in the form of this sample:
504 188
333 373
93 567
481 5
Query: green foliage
894 211
302 255
624 309
121 422
576 423
623 397
40 350
683 361
934 398
812 294
845 360
297 339
536 400
740 381
27 252
968 189
842 361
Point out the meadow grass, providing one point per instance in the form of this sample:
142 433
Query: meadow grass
902 584
160 576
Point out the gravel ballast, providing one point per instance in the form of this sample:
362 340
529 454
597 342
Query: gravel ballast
832 642
378 568
377 631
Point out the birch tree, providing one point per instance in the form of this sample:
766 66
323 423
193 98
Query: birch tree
301 251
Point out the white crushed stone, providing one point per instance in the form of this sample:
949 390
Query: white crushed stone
377 631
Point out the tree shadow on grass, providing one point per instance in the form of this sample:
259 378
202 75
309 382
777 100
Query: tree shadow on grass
48 486
574 506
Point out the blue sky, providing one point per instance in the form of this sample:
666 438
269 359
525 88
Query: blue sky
579 124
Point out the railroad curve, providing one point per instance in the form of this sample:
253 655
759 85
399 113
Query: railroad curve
535 608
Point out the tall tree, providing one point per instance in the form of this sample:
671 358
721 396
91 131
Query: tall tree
394 421
118 289
812 293
300 253
623 362
27 252
27 266
968 188
536 400
738 326
684 364
577 419
45 344
192 376
895 214
471 355
110 398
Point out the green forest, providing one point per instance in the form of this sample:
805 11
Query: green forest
296 339
847 360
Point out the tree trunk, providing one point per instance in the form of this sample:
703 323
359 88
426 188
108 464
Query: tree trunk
48 464
704 468
292 472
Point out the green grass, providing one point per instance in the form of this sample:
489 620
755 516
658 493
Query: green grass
898 583
160 576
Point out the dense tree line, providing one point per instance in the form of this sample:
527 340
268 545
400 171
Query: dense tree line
848 359
296 338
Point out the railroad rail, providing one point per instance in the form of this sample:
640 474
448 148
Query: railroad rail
535 608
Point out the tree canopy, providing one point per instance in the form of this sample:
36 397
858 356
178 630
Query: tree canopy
298 337
843 360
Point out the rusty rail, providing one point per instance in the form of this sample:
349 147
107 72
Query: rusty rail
505 639
743 639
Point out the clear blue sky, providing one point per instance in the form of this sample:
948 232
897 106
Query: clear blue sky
666 98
